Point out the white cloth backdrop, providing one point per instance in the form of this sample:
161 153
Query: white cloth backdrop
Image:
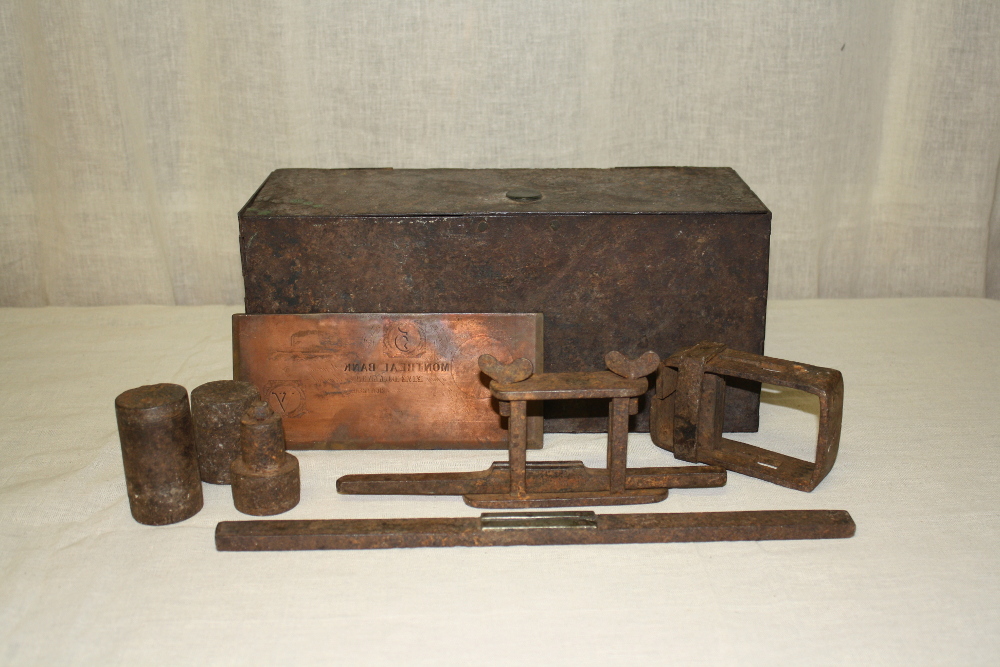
81 583
132 131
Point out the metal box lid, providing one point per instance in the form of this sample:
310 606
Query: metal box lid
416 192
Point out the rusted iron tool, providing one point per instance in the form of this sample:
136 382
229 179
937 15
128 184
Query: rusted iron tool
522 484
689 402
533 528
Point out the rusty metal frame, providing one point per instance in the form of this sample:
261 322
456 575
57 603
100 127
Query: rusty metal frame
689 402
519 484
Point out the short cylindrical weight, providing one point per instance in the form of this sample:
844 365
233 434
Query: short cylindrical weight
161 467
263 438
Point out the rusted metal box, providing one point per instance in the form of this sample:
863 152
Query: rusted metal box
627 259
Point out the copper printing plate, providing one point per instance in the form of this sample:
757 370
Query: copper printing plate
384 381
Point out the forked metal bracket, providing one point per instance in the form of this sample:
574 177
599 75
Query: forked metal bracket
689 402
532 528
519 484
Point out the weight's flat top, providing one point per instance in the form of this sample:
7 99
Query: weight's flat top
151 396
417 192
223 391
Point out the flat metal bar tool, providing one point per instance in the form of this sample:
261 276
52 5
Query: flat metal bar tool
532 528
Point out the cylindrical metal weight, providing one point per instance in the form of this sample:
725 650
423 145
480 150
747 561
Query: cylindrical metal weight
217 408
161 467
266 493
265 477
263 437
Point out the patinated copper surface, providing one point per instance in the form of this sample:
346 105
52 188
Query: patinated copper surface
628 259
217 408
377 381
161 465
265 477
519 484
689 404
533 528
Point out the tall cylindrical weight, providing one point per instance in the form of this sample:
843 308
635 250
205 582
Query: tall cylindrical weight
161 467
217 408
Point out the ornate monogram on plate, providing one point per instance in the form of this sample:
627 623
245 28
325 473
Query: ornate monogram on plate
403 338
377 380
286 397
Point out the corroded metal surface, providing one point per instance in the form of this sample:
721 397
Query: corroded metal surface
626 259
519 369
622 366
689 403
564 386
161 467
440 192
519 484
265 477
535 528
557 477
377 381
217 408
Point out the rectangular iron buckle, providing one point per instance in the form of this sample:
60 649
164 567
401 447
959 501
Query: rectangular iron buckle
689 402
